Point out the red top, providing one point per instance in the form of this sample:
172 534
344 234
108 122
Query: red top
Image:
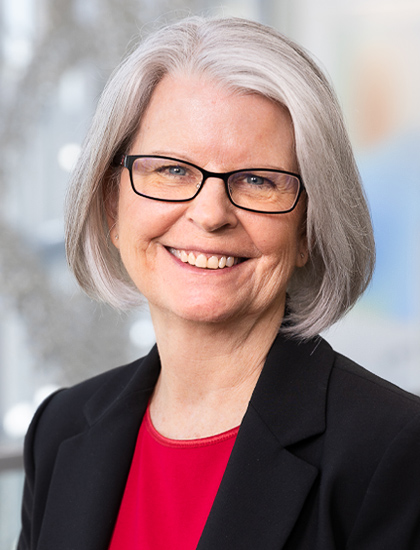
170 490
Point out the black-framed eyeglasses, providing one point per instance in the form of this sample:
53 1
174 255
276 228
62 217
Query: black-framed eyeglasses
173 180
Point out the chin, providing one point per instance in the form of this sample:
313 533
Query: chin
204 312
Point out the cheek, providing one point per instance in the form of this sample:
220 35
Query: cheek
279 241
280 253
141 222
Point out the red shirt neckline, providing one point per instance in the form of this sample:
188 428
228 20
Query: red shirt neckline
186 443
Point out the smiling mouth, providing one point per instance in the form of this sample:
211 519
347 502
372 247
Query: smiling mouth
205 261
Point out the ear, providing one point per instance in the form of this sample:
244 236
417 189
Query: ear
110 198
303 248
302 252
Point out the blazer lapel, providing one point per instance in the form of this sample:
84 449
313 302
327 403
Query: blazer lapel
265 485
261 494
91 468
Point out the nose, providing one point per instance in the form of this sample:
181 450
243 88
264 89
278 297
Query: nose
211 209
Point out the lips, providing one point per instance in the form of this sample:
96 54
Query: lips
205 261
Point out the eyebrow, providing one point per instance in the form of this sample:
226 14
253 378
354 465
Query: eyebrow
185 158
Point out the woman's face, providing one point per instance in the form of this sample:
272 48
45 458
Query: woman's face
194 120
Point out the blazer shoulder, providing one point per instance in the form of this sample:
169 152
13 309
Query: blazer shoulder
355 376
74 398
69 417
66 412
366 413
370 457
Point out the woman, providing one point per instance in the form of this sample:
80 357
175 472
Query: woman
217 180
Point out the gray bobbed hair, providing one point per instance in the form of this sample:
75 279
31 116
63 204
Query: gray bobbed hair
245 57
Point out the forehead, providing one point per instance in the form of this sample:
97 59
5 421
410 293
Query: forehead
195 117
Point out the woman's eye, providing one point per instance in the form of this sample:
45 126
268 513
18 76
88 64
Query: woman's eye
174 171
177 170
255 180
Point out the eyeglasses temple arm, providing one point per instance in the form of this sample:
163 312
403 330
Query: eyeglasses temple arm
119 160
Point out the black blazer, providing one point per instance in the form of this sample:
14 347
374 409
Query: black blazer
327 458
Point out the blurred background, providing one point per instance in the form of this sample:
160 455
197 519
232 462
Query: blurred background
55 57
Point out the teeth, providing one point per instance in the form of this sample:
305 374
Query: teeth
222 262
201 260
212 262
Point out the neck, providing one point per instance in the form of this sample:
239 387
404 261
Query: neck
208 373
